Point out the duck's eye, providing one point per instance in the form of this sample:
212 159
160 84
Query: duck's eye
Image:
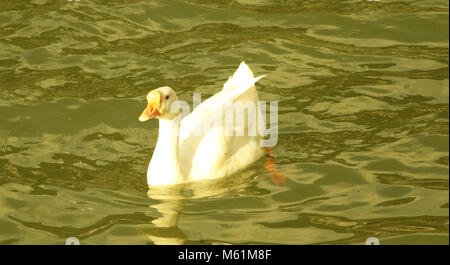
167 97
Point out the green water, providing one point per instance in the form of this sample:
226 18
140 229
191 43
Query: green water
362 88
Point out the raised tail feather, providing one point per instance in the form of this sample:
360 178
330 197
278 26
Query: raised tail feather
242 78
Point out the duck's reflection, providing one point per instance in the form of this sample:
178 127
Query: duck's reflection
170 202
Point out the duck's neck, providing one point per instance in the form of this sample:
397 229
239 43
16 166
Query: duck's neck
164 168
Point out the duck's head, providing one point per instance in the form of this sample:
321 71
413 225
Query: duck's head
159 104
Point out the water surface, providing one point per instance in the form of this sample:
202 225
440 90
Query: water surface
362 88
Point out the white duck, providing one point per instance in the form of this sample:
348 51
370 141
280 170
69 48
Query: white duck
182 154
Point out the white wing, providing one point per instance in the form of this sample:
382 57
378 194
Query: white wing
205 151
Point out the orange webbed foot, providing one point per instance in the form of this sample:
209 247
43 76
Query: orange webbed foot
275 175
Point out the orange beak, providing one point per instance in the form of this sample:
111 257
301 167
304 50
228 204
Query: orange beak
153 106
